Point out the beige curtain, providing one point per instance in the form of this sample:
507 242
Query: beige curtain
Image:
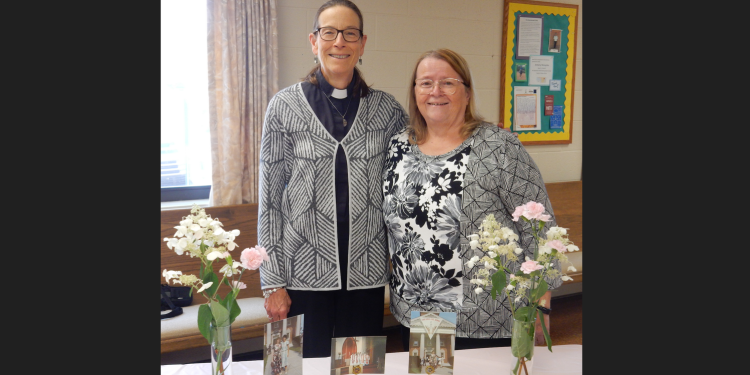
242 78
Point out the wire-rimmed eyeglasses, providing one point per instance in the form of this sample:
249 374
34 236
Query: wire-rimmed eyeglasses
447 85
330 33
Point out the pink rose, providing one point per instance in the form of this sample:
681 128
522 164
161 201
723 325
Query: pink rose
239 284
517 213
557 245
530 266
531 210
252 258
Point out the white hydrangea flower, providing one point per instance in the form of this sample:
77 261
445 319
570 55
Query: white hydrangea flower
572 247
205 286
510 287
544 249
472 261
572 269
556 232
518 251
566 278
478 290
473 236
168 275
474 244
491 253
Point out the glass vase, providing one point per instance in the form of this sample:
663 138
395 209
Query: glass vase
221 349
522 346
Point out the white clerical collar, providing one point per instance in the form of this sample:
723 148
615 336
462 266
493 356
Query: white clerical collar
338 94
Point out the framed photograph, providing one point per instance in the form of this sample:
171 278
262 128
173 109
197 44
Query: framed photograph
555 39
282 346
522 69
358 355
435 332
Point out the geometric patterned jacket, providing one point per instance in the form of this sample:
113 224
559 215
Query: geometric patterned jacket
297 206
500 175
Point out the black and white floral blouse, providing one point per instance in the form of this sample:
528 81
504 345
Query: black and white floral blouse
431 204
422 209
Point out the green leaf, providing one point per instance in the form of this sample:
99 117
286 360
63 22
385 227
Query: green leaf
204 321
544 328
522 313
539 291
211 277
498 281
521 343
221 315
226 282
235 312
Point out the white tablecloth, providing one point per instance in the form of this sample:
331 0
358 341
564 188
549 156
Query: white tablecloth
564 360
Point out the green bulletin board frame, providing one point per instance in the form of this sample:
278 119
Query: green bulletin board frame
555 16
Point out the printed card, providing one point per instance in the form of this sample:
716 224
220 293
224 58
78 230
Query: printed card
282 346
358 355
432 339
549 101
555 122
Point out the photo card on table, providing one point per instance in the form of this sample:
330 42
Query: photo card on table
358 355
282 346
432 338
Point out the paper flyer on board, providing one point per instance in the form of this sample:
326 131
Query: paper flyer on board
527 108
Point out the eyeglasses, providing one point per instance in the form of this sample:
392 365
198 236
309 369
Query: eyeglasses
329 34
447 85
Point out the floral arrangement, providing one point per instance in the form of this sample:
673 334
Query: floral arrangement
201 236
526 286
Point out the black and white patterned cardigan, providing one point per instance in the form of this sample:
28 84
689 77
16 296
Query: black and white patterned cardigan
500 176
297 206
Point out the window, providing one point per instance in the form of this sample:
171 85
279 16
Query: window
185 138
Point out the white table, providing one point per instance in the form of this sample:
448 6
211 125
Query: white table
564 360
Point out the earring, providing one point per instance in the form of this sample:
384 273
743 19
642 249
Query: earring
315 59
360 60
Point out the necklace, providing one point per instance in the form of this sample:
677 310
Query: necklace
334 108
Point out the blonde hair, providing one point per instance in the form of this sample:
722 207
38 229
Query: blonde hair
417 128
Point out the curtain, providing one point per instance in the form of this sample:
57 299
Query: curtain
242 78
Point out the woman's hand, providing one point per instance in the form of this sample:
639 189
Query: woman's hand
277 305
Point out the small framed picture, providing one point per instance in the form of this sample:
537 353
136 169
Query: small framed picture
554 85
521 71
555 40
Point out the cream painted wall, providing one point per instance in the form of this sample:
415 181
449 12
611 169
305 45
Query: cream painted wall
398 31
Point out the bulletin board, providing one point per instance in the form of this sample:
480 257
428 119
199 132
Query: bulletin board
537 70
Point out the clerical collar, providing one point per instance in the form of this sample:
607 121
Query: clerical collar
331 91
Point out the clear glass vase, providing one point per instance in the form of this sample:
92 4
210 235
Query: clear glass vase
522 346
221 350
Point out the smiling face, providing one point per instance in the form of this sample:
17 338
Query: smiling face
338 57
439 108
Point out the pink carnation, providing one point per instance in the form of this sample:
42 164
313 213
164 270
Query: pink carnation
530 266
557 245
252 258
531 210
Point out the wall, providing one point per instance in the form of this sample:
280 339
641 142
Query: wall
398 31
